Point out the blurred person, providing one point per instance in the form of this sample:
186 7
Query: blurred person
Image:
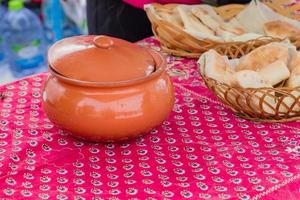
224 2
123 19
126 19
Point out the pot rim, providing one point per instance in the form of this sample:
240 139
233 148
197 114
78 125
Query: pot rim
160 67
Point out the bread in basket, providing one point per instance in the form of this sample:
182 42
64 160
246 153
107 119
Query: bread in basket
187 30
263 85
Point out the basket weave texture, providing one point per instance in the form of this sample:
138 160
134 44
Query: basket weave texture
264 104
176 41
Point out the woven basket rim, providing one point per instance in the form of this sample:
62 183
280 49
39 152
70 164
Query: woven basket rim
193 47
262 115
213 41
251 89
176 28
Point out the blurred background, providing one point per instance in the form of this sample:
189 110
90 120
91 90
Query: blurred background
29 27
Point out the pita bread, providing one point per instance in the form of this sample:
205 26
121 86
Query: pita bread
191 22
170 15
234 63
246 37
229 33
225 35
201 63
248 79
275 72
216 66
256 14
280 29
294 79
264 55
222 29
205 17
162 7
232 29
295 61
194 26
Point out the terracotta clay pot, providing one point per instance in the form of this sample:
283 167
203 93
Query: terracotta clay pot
106 89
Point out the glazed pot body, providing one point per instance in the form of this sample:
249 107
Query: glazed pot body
100 113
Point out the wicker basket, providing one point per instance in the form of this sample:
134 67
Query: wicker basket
177 42
264 104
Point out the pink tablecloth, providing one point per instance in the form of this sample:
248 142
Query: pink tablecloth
202 151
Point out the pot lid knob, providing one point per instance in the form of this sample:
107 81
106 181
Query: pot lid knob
100 59
103 42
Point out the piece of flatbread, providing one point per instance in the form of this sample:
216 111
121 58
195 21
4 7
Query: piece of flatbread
206 17
170 15
248 79
294 79
215 66
225 35
275 72
194 26
232 29
246 37
210 18
280 29
295 61
191 22
256 14
263 56
294 66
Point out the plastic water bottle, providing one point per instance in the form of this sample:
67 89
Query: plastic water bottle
53 21
2 47
5 74
57 24
25 40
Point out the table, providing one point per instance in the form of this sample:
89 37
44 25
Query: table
201 151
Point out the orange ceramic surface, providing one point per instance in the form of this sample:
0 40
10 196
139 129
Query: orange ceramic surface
109 111
100 59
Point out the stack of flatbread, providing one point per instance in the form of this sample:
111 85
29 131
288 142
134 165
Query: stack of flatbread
266 66
259 18
269 66
203 22
281 29
200 21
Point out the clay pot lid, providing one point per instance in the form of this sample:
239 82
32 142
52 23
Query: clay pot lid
100 59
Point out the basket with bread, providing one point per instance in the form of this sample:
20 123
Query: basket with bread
232 30
261 85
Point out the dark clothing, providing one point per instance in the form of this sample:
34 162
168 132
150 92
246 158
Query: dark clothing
224 2
118 19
